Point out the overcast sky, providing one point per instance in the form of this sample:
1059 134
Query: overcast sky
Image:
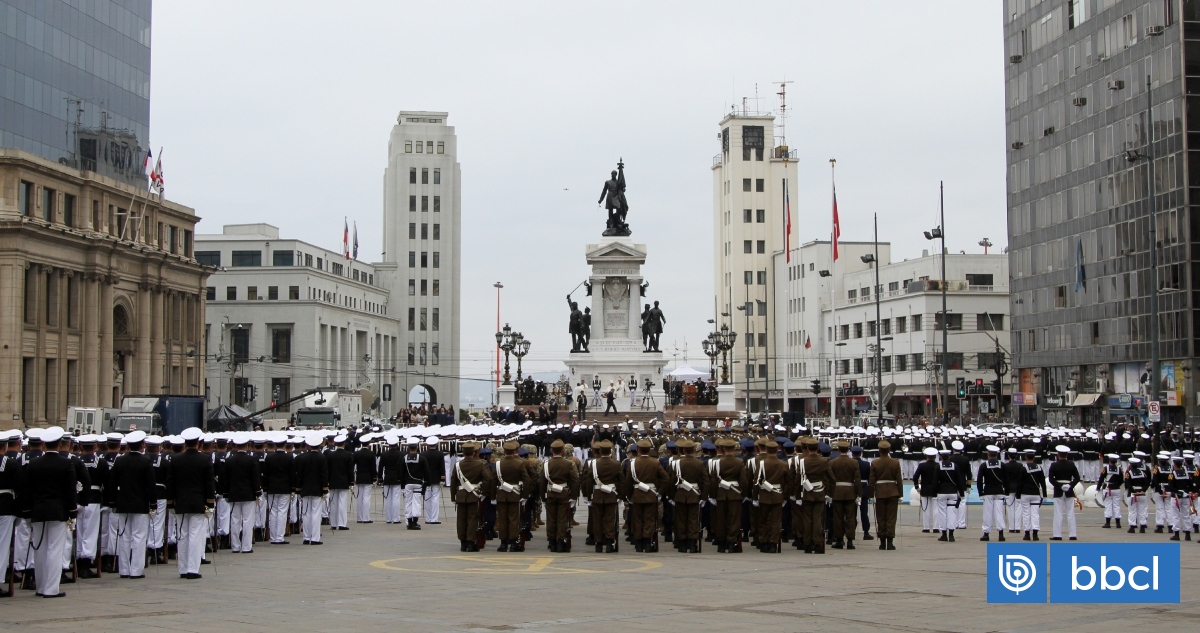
280 113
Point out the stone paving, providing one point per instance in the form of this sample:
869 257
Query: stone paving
378 576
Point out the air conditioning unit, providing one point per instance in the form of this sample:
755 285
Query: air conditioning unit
1152 31
1079 102
1116 84
1017 145
1048 131
1015 59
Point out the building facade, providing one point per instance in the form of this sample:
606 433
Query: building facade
749 177
422 239
75 83
101 294
1079 137
285 316
836 346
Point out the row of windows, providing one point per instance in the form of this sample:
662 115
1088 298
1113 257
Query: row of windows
281 344
426 323
122 224
412 259
412 358
314 294
412 231
1134 329
412 175
53 299
424 147
437 203
412 288
245 259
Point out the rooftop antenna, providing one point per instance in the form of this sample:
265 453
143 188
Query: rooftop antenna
783 112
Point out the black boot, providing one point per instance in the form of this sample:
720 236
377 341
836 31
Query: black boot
945 537
1107 523
1174 537
951 536
1000 534
1131 529
609 548
1158 529
1118 523
591 540
1187 536
883 542
891 543
850 542
837 544
503 546
867 536
1142 530
1035 536
985 537
1026 537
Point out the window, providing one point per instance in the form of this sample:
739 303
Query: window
424 287
916 322
749 371
412 203
441 145
918 361
48 198
871 329
95 215
1060 297
437 259
954 360
901 363
407 147
953 321
987 360
320 264
412 320
283 258
412 259
424 319
886 324
762 247
231 293
437 173
411 360
69 210
51 299
893 286
281 392
308 260
436 321
435 353
844 333
423 346
412 287
746 215
437 204
989 322
762 277
424 231
760 185
240 340
979 279
424 176
887 363
209 258
858 330
425 203
293 293
437 231
272 293
420 147
210 293
428 147
424 259
281 345
173 234
901 325
762 339
1094 332
437 288
858 365
412 175
25 198
852 295
748 246
252 293
762 308
745 184
246 258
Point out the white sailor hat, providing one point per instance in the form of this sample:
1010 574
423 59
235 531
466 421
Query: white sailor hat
957 445
114 437
432 440
1135 460
339 439
1062 449
191 433
929 450
154 440
1139 454
992 448
314 441
52 434
1012 450
175 440
135 437
943 452
391 440
1113 456
241 439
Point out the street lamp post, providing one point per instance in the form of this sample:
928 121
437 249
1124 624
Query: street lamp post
506 340
723 340
940 233
873 259
520 350
711 351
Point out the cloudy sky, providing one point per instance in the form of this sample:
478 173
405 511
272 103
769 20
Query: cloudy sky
280 113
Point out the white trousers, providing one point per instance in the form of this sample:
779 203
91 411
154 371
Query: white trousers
294 509
339 507
6 533
223 510
68 551
392 496
433 503
312 508
1112 504
1179 513
1014 512
192 533
595 399
132 532
260 514
413 501
1160 509
277 523
947 512
158 525
993 513
1139 510
632 398
87 531
362 504
927 511
108 532
172 527
1064 507
1031 508
50 537
241 526
961 511
22 545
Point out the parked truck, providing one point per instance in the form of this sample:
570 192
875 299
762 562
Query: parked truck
162 415
90 420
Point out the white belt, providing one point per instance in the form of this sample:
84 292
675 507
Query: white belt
8 491
646 487
845 483
688 486
884 481
97 487
768 486
507 487
730 485
607 488
553 487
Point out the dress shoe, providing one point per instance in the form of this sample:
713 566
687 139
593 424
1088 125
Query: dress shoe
891 543
57 595
867 536
194 576
1000 536
985 537
1035 536
1055 538
205 561
850 544
279 543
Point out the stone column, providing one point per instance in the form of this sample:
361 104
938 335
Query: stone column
89 341
141 381
159 376
12 323
105 362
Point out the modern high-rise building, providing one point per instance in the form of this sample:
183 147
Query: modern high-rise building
422 256
75 83
749 176
1081 130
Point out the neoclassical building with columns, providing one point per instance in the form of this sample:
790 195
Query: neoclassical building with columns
100 292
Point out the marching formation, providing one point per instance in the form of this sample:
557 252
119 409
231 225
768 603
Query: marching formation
78 507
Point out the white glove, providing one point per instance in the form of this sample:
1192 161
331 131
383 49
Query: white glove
1066 487
754 503
493 502
712 501
828 501
672 502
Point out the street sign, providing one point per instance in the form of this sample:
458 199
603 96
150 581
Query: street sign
1155 410
983 406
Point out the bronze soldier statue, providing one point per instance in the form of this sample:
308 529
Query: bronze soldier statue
613 197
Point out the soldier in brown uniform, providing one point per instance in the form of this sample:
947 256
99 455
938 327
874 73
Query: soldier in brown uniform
468 486
560 484
729 486
512 485
799 527
885 485
644 478
770 489
815 483
846 485
600 484
689 486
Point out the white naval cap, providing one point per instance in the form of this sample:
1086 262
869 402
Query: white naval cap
191 434
135 437
52 434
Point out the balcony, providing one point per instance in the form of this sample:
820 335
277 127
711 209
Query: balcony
717 161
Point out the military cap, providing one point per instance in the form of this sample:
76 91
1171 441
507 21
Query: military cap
556 444
842 444
707 445
884 444
856 449
606 444
469 447
523 452
511 445
645 443
486 450
685 443
771 445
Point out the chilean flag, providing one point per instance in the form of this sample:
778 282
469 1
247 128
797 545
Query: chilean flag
345 238
837 226
807 343
156 176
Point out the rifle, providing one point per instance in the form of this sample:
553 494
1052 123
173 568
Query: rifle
481 528
521 532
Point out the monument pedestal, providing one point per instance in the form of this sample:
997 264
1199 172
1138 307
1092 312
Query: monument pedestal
506 395
616 349
725 396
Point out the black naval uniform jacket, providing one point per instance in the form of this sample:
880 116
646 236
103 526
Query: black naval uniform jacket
159 464
390 464
991 478
310 474
277 473
435 466
925 478
131 481
244 477
364 466
49 487
98 475
11 482
341 468
1033 481
951 479
191 486
1063 472
1014 475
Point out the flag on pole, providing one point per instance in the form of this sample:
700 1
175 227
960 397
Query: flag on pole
837 225
807 342
146 163
345 238
356 240
156 176
787 223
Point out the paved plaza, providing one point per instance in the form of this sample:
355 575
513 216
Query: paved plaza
383 577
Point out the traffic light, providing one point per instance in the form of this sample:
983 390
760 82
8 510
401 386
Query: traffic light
996 386
249 393
816 387
961 383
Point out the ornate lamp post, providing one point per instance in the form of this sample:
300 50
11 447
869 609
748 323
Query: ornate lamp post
506 339
712 351
520 349
724 340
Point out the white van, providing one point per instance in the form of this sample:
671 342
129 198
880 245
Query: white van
90 420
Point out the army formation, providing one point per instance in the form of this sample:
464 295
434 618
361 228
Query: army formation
74 508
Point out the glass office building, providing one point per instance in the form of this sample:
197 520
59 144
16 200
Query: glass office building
75 82
1081 130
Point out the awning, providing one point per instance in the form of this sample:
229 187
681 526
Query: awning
1085 399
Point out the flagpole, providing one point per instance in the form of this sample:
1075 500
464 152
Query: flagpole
833 297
